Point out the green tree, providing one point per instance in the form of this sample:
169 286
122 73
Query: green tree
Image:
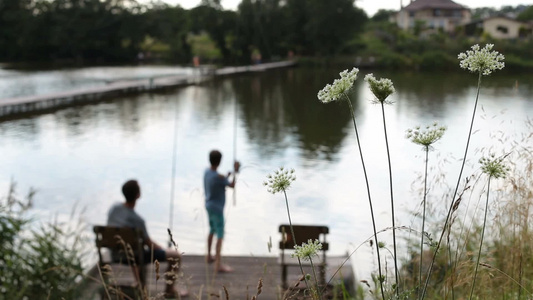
218 23
168 26
14 17
526 14
331 24
262 27
383 15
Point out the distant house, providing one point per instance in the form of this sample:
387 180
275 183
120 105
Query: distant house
499 27
443 15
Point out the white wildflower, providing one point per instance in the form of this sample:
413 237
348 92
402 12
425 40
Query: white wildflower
482 60
306 251
333 92
381 89
494 167
280 181
427 136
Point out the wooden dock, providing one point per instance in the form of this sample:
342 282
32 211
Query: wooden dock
35 103
201 282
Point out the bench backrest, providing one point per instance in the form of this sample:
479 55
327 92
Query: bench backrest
111 237
303 233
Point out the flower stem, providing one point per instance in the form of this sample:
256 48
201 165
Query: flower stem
423 222
294 237
391 202
481 242
316 279
450 209
369 197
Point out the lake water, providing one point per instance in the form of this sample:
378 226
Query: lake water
80 156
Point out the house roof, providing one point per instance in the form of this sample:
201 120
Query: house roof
433 4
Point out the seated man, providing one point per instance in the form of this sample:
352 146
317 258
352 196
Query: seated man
123 215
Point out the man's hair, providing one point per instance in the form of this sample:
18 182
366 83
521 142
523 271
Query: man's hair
131 190
215 157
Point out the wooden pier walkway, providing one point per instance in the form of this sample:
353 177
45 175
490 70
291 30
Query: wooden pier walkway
201 282
27 104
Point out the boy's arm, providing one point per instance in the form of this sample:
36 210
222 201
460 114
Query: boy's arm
236 167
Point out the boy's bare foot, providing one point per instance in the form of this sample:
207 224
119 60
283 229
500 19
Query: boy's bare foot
225 269
210 259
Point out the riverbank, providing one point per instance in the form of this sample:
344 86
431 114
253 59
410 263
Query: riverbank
10 107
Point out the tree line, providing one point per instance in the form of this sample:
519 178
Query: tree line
121 31
126 31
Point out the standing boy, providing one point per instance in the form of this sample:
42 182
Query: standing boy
215 199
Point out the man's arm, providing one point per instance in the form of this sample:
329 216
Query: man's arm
151 244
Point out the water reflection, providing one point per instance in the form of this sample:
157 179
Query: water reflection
24 130
278 112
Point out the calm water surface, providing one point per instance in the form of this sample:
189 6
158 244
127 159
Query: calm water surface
80 156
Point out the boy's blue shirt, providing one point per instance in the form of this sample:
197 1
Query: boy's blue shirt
215 190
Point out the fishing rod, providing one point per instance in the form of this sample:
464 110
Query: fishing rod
173 176
235 149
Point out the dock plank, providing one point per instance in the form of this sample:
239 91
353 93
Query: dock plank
202 283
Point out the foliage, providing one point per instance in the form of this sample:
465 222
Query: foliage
483 12
383 15
111 31
506 264
460 257
518 64
393 61
204 47
526 14
37 263
436 60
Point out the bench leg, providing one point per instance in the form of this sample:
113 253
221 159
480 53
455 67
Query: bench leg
284 277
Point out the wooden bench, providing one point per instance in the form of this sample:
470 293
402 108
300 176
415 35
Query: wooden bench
303 233
126 246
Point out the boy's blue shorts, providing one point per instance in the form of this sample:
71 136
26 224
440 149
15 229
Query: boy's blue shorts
216 223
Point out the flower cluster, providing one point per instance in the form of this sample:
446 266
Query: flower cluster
280 181
494 167
305 251
482 60
426 137
381 89
333 92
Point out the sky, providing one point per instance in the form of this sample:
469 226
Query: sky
371 6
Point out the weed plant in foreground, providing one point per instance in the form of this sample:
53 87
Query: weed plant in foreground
38 260
450 281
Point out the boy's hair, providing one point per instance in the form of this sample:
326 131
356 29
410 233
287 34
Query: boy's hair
131 190
215 157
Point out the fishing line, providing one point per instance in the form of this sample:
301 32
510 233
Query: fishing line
173 176
235 150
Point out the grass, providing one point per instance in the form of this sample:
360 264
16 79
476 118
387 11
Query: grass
39 260
451 267
503 266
